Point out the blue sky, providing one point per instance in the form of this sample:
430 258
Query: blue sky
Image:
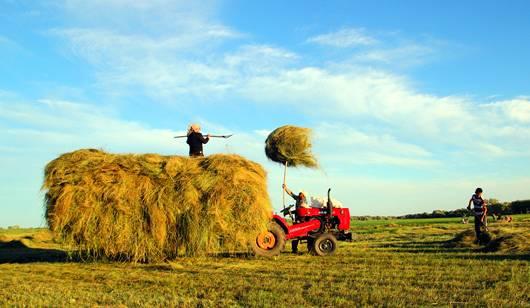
413 103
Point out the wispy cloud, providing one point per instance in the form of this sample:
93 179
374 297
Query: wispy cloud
108 47
367 148
259 58
407 55
386 49
188 63
388 101
51 127
68 125
517 109
348 37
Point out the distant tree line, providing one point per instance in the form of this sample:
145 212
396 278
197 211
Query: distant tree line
367 217
494 207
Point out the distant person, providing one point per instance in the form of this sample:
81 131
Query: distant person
195 140
301 201
480 211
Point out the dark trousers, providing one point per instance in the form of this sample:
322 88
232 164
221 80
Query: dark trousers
479 223
294 246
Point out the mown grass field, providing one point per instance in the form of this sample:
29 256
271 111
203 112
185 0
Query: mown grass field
390 262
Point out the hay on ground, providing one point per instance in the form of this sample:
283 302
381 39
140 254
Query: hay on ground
516 243
498 240
150 207
291 145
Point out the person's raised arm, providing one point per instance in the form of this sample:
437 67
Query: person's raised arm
287 190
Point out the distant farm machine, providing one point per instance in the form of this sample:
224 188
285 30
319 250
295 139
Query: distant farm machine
320 228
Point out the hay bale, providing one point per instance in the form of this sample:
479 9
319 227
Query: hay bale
150 207
291 145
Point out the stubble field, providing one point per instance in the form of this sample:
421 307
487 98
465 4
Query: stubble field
390 262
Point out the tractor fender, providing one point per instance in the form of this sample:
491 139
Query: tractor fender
281 222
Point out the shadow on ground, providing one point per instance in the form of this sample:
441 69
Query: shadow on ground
15 251
449 250
495 257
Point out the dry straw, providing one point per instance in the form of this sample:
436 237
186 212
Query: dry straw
499 240
291 145
146 208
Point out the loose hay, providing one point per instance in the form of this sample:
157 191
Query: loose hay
291 145
149 207
516 243
499 240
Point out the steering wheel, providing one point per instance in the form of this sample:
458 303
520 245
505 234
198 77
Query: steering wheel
287 210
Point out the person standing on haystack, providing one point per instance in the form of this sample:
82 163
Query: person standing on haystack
195 140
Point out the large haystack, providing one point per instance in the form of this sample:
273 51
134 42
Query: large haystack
151 207
291 145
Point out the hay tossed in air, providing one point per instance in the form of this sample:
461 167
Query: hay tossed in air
291 145
150 207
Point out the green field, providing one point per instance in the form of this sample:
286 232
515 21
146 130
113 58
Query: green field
390 262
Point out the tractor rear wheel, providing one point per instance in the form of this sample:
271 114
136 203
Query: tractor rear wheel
323 245
270 242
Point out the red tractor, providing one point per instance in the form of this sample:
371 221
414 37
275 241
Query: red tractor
319 227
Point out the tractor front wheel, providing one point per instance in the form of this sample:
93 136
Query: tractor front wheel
323 245
270 242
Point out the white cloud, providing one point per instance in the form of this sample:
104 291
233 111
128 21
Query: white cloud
263 132
516 109
356 92
388 101
186 62
52 127
407 55
258 59
154 17
340 144
168 68
349 37
172 66
110 48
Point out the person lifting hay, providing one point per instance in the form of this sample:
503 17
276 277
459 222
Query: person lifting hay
301 202
291 147
300 198
196 140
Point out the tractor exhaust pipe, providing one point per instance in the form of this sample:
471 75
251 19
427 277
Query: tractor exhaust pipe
330 205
